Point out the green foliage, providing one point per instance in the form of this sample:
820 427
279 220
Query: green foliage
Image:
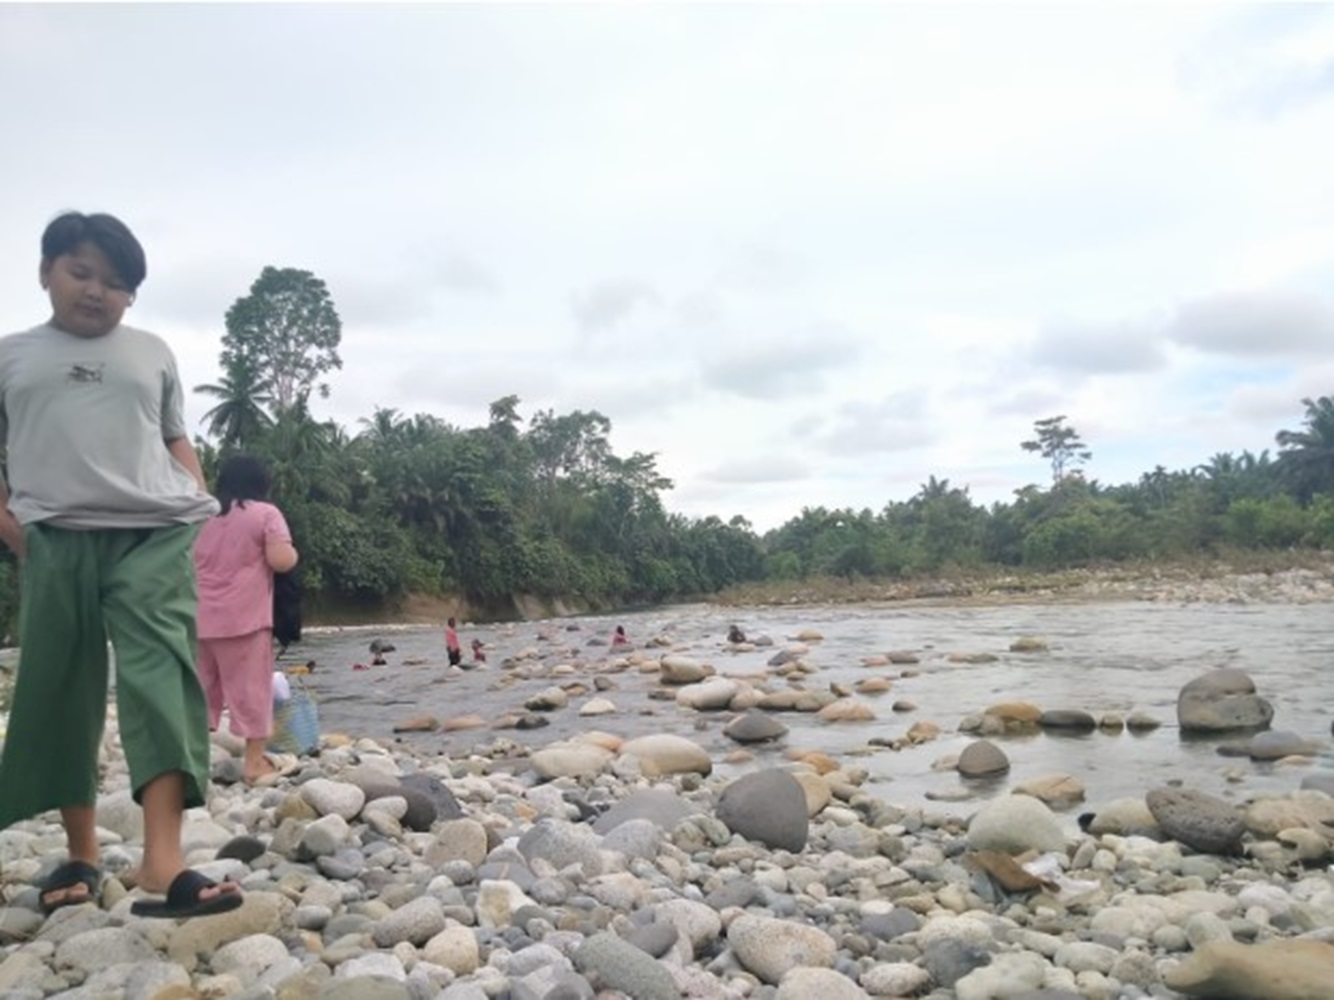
1058 444
411 504
239 418
1276 523
1306 457
282 337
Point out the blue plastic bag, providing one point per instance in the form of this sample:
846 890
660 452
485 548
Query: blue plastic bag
296 724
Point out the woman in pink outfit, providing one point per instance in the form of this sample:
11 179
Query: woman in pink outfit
235 558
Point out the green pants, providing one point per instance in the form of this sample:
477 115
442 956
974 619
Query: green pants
136 587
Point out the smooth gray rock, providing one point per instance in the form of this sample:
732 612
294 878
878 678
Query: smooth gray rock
1203 822
364 988
1014 824
656 939
415 922
621 966
639 838
563 844
1279 743
435 791
1071 719
244 848
93 950
1322 782
768 806
950 959
1222 700
754 727
982 758
662 807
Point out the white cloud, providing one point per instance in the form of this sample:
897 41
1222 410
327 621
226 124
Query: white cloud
810 255
1248 324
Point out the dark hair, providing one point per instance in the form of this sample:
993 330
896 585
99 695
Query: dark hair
106 232
242 478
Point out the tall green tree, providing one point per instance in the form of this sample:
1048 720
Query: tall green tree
1306 457
1058 444
287 331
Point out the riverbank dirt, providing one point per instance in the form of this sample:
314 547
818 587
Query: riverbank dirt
1270 577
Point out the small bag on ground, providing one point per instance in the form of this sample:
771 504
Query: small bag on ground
296 722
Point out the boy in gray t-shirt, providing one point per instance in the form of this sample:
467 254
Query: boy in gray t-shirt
103 501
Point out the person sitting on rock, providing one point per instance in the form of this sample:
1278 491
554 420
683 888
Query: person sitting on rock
619 638
735 635
378 659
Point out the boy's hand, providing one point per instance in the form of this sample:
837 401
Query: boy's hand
11 532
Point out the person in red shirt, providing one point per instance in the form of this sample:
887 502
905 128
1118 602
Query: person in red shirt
452 647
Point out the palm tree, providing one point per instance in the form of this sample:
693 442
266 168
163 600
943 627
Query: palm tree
1306 459
382 427
240 417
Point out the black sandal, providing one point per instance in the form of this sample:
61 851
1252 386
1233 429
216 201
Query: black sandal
183 899
66 877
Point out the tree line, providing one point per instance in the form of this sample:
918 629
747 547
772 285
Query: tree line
405 504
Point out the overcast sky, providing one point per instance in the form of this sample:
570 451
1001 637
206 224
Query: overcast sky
810 255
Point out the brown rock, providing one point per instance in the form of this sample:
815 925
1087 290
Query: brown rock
1282 969
846 710
1016 711
922 732
873 685
1028 644
463 722
817 760
1006 872
1060 791
418 724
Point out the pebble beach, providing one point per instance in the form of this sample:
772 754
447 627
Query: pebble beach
599 862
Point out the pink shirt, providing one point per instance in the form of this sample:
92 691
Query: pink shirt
235 582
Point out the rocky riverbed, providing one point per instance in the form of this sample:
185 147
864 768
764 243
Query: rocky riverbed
692 841
611 868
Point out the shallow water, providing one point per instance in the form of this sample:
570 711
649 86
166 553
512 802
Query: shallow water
1119 657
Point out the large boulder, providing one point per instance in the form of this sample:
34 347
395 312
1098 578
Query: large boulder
1014 824
1221 701
768 806
1270 970
1200 821
667 753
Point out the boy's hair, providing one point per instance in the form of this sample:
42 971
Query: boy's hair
106 232
242 478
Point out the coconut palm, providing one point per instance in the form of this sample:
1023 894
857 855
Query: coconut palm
240 417
1306 457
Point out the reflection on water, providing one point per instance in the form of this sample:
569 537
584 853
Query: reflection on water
1120 657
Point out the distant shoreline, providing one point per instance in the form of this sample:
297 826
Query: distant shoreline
1276 577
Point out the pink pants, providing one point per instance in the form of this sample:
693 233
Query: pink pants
237 672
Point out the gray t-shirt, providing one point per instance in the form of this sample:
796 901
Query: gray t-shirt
85 420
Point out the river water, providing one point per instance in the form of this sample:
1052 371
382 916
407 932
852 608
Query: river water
1118 657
